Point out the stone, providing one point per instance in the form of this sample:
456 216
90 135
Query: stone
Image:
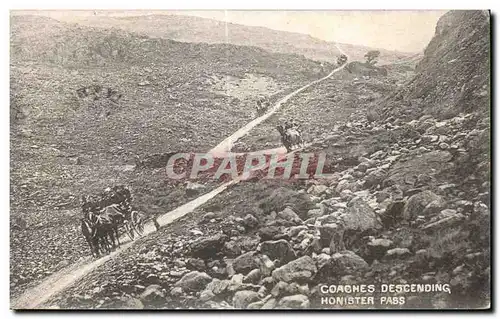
208 216
345 185
245 263
430 138
278 249
397 253
434 207
301 269
393 213
217 286
206 295
417 203
322 259
243 298
255 305
267 282
378 247
280 289
194 281
194 188
208 247
176 292
447 213
377 155
331 235
444 146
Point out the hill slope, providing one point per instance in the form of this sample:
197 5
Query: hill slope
454 74
196 29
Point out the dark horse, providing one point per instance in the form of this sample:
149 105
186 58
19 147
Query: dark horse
90 234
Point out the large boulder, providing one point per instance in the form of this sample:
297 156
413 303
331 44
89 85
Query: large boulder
332 236
375 177
295 301
243 298
360 216
278 249
194 188
376 248
347 262
250 221
317 190
253 276
194 281
301 269
239 245
243 264
397 253
429 163
266 265
269 232
152 294
217 286
128 302
341 264
289 215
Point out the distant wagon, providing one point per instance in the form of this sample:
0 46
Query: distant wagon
262 105
342 59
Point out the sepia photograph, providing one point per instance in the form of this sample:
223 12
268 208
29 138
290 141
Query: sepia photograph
250 159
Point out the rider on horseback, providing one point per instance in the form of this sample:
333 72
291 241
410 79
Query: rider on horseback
290 134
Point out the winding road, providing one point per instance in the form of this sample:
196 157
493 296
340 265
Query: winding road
36 297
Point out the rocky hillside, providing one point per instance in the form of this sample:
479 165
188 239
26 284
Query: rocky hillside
454 74
409 203
195 29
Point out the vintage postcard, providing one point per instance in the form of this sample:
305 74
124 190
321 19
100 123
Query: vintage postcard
250 159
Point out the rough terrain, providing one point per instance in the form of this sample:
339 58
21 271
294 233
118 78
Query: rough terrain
195 29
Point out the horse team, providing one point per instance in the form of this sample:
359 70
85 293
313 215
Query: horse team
105 214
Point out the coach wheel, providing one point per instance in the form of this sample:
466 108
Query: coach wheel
136 222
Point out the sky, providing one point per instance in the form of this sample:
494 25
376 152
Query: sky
406 31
